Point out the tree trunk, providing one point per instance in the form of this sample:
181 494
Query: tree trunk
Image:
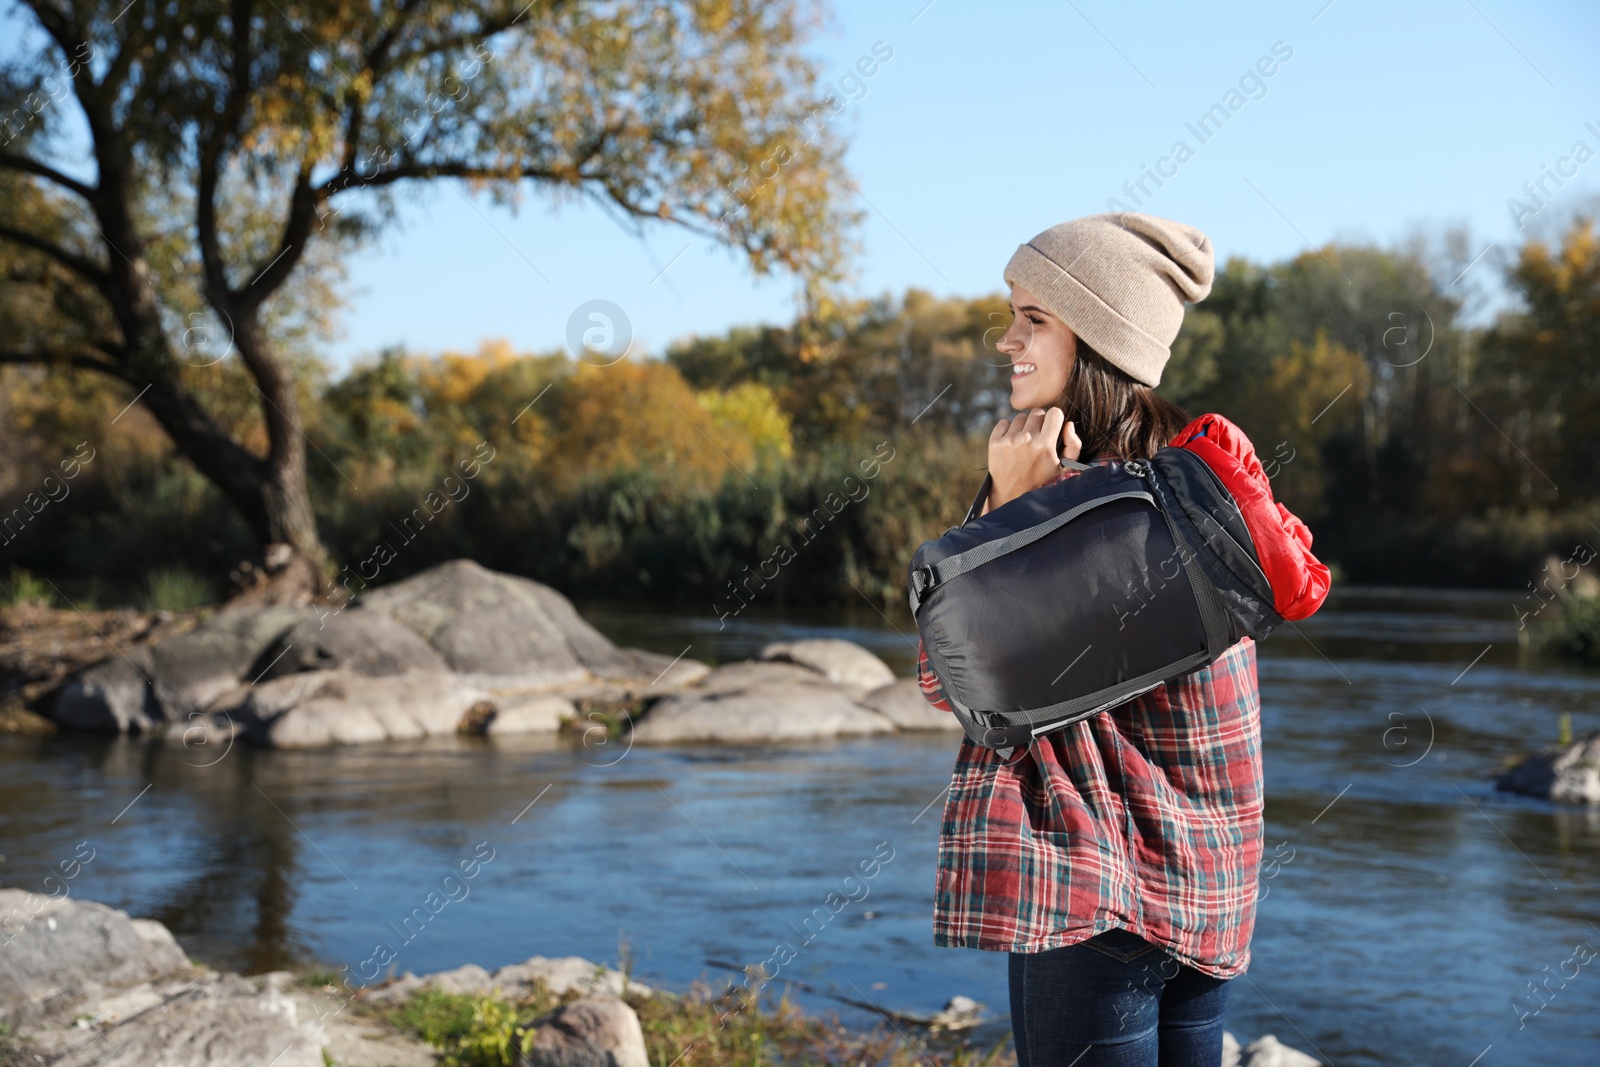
284 510
269 493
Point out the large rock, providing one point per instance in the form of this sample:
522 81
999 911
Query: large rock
902 702
592 1032
214 1020
340 707
1268 1051
528 713
351 1038
753 702
113 696
358 640
82 984
145 687
57 951
485 623
193 669
1568 774
844 663
456 647
559 975
664 673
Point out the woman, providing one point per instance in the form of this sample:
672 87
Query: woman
1114 859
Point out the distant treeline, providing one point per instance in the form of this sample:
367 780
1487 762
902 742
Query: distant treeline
806 463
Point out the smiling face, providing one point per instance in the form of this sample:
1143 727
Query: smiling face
1040 347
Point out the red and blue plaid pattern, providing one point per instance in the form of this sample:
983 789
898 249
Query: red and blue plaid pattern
1146 816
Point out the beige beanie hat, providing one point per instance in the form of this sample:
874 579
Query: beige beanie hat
1119 281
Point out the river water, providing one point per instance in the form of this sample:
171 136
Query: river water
1410 916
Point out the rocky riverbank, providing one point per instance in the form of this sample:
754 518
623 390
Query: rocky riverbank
83 984
454 649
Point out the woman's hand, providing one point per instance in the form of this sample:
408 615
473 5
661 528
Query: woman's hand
1022 453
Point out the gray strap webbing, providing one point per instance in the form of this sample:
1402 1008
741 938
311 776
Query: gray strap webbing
963 562
988 483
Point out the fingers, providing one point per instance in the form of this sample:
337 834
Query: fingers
1050 424
1006 428
1072 444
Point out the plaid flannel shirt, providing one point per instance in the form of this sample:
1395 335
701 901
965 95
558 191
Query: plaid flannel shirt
1146 816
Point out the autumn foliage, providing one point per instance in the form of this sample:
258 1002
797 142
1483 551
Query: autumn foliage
1419 448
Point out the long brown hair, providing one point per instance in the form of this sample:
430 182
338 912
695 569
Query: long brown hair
1113 414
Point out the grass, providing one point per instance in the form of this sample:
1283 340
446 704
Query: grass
705 1027
470 1031
1576 636
24 587
11 1054
319 979
175 589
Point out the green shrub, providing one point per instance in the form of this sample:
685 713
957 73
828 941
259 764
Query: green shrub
25 587
174 589
1577 635
468 1031
10 1054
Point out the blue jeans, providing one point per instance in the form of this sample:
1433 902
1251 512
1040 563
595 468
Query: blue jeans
1115 1000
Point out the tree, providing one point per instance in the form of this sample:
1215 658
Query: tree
1543 362
233 149
870 366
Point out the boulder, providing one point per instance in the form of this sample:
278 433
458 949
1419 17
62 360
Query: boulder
400 661
1268 1051
216 1019
82 984
1230 1049
195 668
1567 774
902 702
755 702
563 973
598 1031
113 696
499 625
56 951
842 662
663 672
515 980
528 713
147 686
959 1013
351 1038
357 639
340 707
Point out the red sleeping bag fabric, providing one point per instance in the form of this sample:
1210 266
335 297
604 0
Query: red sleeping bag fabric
1283 543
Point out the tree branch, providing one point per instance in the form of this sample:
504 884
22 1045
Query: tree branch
450 169
213 143
296 230
28 165
85 268
55 356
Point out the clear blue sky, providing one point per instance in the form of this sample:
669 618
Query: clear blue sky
993 121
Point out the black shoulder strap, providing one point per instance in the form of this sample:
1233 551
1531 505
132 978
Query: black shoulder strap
977 501
988 483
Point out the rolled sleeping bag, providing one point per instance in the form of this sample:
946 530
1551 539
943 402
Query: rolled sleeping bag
1084 593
